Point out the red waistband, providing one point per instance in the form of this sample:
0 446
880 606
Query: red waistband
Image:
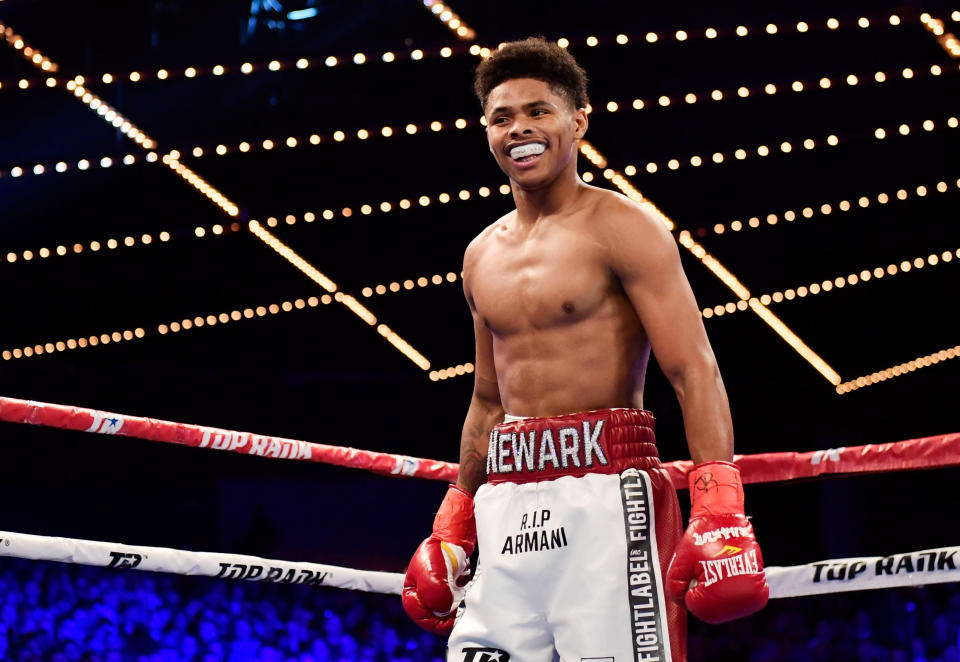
603 441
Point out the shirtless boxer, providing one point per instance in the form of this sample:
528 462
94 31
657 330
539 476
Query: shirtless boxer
577 520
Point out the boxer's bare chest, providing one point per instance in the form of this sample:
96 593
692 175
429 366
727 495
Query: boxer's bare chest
546 276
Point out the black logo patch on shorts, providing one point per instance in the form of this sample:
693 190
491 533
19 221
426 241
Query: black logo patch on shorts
485 655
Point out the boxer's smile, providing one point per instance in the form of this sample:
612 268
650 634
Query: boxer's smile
526 154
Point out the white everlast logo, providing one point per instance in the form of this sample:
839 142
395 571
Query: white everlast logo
725 533
716 570
557 447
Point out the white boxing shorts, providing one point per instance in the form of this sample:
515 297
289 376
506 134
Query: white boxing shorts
575 527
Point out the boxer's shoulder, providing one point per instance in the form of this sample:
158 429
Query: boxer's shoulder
481 243
614 213
629 232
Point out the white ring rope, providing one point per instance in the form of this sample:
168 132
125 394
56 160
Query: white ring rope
930 566
182 562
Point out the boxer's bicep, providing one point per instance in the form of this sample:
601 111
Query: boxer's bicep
485 384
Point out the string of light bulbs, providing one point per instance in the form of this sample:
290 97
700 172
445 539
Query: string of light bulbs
448 17
409 284
454 371
947 40
785 147
29 53
60 167
76 248
794 87
826 209
898 370
112 116
186 324
741 31
387 206
199 183
81 342
243 147
830 284
347 300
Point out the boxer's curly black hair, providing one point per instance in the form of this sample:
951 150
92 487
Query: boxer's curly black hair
534 57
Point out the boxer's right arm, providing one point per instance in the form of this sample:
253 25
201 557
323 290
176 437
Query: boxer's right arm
484 412
440 568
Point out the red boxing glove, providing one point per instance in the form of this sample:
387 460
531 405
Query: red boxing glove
717 569
440 568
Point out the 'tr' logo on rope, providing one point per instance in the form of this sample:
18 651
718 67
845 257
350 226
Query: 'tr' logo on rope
104 423
829 455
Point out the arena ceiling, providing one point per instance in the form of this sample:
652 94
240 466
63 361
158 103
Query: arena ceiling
810 149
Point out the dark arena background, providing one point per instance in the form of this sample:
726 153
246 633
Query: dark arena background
251 215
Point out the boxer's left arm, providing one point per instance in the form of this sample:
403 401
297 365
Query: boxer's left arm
717 569
645 258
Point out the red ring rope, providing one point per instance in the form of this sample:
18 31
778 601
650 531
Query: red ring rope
925 453
150 429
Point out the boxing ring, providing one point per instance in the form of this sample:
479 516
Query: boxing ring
910 568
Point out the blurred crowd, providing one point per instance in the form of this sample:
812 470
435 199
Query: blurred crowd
54 612
65 613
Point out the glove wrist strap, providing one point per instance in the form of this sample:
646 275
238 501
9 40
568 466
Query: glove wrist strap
454 522
715 489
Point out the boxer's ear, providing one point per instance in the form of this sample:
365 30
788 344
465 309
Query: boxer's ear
581 122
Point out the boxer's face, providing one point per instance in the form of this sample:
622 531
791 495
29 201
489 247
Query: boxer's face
532 131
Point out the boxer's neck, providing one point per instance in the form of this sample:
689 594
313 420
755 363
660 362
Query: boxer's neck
555 198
